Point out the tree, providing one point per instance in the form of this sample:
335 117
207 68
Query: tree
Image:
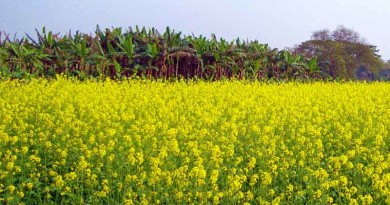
341 53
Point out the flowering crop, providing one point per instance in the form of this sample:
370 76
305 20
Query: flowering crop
222 142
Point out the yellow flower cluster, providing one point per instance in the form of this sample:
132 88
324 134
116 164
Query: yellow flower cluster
148 142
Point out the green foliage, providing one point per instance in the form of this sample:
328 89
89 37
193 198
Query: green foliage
146 53
342 53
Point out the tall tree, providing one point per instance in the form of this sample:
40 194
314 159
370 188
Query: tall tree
341 53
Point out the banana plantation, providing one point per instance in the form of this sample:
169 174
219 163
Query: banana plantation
147 53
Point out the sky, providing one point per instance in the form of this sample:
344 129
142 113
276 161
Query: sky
280 23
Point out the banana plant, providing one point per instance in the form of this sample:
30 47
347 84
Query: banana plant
23 60
81 52
202 51
151 54
313 68
101 60
126 46
145 52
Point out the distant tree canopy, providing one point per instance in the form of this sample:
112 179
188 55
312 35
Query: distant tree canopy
343 54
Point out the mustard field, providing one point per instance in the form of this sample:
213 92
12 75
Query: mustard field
147 142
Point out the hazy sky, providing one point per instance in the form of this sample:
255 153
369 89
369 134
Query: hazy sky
280 23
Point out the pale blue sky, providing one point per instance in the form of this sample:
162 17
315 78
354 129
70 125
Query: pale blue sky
280 23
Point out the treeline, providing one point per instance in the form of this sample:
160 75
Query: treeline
146 53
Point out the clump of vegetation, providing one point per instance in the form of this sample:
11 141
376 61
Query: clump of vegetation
343 54
146 53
